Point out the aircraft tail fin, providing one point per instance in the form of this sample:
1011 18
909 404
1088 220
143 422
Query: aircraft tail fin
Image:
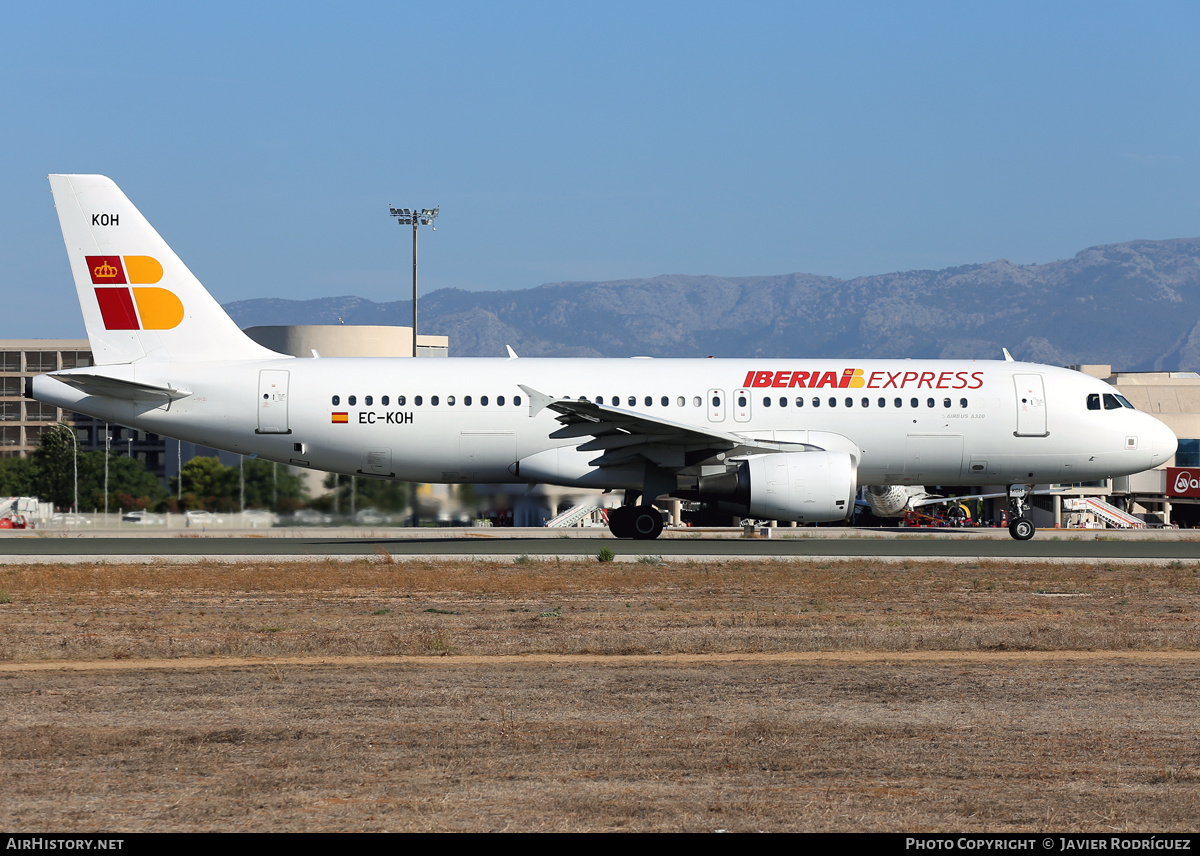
139 300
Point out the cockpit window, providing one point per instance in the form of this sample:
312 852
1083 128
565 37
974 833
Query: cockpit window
1125 402
1094 401
1110 402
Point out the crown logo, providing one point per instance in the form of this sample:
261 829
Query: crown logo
106 271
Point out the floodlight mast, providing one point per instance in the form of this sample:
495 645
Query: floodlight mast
415 217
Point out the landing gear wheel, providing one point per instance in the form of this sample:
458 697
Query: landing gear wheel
647 523
1022 529
620 522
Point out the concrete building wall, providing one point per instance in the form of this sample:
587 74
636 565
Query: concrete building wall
355 340
22 421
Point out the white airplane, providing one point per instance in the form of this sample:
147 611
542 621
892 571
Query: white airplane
771 439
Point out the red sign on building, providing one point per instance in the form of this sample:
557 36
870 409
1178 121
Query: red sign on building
1183 481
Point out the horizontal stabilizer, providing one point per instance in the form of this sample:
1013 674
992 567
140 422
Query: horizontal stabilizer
111 387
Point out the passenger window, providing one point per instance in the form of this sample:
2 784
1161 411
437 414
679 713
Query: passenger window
782 401
816 401
681 401
516 401
632 401
466 401
766 401
384 401
899 403
368 400
962 402
916 403
866 402
883 402
616 401
649 401
499 400
337 399
849 402
599 399
696 402
664 401
832 401
483 401
433 400
351 400
741 401
946 404
799 401
716 401
399 400
417 401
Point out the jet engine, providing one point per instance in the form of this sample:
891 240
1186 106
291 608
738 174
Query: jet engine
888 500
810 487
893 500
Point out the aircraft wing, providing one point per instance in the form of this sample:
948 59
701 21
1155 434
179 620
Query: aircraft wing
936 500
622 436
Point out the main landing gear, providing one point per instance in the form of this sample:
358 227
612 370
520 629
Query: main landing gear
640 522
1019 526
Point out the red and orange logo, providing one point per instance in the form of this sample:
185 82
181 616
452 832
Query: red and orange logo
340 417
144 308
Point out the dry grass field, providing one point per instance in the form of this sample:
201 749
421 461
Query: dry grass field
546 695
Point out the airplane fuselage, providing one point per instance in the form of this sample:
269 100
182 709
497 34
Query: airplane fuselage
467 420
771 439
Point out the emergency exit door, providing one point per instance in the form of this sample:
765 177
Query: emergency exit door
1031 406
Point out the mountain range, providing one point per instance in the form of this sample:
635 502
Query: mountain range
1134 305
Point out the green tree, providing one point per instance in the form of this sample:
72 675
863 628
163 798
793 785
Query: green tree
383 494
54 464
130 484
56 468
209 484
18 477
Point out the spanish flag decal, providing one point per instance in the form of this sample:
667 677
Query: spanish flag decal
341 417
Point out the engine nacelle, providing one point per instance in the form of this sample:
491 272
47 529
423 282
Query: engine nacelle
809 487
888 500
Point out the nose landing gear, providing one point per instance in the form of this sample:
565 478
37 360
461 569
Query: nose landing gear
1020 526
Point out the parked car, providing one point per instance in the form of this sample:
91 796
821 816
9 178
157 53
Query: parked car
201 518
370 517
256 518
311 517
145 518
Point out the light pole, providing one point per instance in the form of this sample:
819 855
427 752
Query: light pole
75 461
413 217
107 446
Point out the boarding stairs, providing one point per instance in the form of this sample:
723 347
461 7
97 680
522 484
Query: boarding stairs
1110 514
574 515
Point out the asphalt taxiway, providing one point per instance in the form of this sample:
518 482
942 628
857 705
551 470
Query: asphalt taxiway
43 547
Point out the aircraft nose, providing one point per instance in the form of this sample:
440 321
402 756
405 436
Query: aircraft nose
1163 443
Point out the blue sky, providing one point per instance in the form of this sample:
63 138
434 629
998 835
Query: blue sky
592 141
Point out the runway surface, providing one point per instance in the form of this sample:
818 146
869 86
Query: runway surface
15 549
